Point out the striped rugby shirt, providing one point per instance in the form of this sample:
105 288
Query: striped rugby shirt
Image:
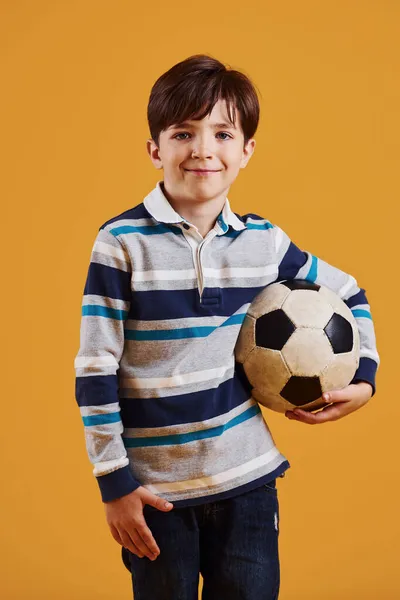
163 402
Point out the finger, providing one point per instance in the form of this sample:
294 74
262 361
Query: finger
137 539
148 538
127 542
339 395
329 413
156 501
115 534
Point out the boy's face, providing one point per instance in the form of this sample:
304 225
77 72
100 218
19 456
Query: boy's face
213 144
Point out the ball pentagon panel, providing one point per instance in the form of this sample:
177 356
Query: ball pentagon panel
307 352
273 330
340 334
302 390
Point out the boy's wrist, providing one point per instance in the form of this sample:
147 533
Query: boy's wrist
116 484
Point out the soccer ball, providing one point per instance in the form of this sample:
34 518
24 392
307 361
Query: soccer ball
297 341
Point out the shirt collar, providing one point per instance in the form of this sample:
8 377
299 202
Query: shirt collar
160 209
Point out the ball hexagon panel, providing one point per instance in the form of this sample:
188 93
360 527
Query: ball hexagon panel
246 339
340 371
266 370
307 352
337 303
340 334
302 390
270 298
273 330
307 308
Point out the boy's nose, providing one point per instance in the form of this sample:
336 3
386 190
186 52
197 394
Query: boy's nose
201 151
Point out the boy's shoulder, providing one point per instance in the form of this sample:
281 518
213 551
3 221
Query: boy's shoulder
136 212
255 221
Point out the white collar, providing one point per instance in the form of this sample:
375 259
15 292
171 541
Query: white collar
161 210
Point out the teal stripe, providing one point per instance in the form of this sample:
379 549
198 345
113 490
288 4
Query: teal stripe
259 226
96 310
145 230
184 438
358 312
233 233
224 226
180 334
101 419
313 272
234 320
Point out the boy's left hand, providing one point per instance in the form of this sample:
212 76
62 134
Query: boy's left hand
344 402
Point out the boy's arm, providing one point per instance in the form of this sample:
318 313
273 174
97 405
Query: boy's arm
105 307
294 263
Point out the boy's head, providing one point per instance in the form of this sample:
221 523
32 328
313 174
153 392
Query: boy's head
201 115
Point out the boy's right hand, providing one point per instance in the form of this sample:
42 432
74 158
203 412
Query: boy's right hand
127 524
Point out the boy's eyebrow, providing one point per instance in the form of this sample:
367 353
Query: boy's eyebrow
215 125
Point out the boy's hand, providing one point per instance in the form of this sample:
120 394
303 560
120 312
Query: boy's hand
127 524
343 401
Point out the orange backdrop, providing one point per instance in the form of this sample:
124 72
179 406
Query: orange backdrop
76 76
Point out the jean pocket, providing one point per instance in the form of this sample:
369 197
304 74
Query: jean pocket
270 486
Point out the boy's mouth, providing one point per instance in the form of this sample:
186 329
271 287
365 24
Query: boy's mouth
201 171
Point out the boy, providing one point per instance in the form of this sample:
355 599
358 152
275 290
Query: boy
185 462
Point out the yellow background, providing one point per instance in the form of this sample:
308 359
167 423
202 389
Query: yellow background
75 78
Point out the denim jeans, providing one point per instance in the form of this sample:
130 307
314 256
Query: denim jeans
233 543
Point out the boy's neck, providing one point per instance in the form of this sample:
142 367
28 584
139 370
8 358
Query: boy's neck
203 214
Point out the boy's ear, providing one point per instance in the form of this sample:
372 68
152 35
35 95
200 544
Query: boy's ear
154 154
247 152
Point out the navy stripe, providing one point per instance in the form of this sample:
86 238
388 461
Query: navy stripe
158 305
103 280
185 438
359 298
184 408
292 262
95 390
137 212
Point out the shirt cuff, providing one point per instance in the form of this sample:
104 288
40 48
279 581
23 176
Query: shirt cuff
366 372
117 483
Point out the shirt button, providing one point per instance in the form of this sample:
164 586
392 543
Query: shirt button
186 226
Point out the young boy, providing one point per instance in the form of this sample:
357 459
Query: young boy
185 462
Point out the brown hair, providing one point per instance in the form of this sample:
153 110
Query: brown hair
190 89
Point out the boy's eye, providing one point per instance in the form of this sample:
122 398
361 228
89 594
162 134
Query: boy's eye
219 133
223 133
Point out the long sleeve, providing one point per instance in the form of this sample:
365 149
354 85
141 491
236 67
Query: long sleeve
294 263
105 307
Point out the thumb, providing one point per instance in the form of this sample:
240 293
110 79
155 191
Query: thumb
157 502
336 395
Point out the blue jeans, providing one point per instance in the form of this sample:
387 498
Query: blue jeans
233 543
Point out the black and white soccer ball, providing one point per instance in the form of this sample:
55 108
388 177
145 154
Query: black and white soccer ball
297 341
